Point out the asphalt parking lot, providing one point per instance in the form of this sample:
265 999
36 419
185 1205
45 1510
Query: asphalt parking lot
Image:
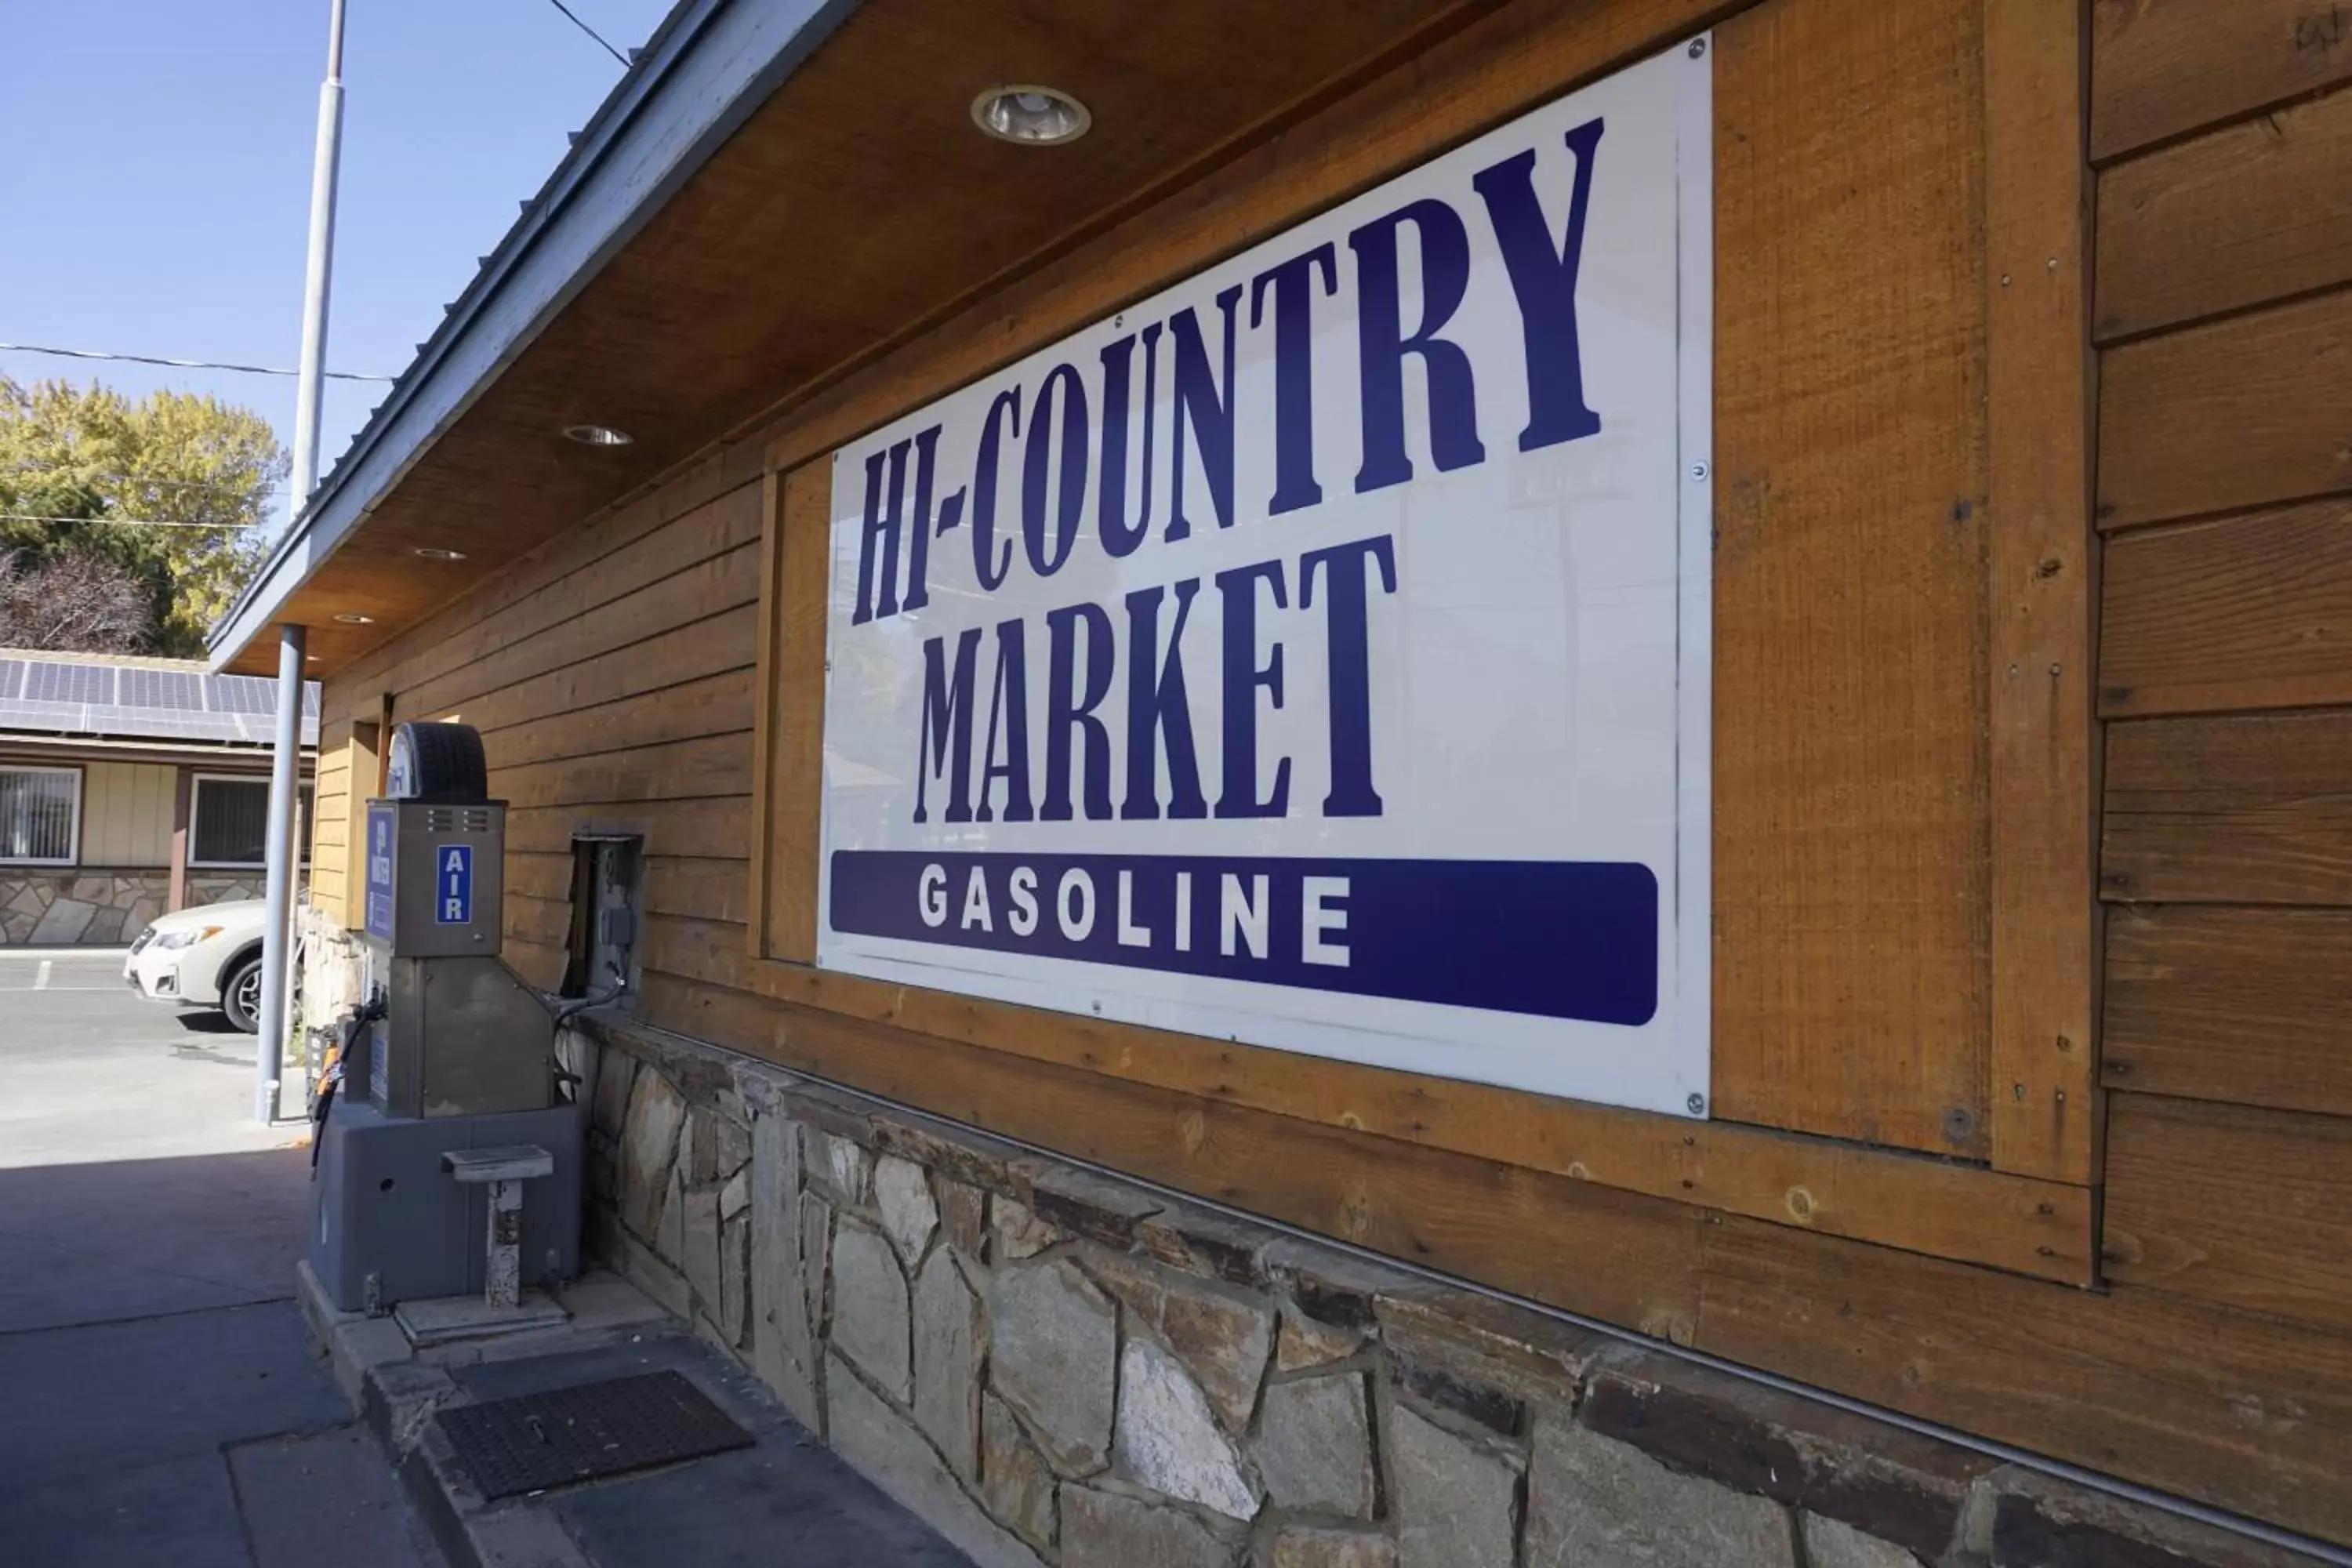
163 1403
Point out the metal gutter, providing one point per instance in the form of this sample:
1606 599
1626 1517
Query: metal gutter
709 66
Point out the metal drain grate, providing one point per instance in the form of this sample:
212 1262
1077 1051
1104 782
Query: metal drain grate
535 1441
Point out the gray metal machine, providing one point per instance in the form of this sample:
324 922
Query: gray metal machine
449 1088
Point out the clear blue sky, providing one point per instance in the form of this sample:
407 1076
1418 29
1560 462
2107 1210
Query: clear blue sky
155 176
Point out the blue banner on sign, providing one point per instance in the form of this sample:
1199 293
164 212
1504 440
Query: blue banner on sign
1556 938
453 903
379 871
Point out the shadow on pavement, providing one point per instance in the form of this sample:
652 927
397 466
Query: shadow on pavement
132 1238
157 1377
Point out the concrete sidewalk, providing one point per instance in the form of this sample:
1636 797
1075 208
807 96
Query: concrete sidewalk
163 1405
786 1499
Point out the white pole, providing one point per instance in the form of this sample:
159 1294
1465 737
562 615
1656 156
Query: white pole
285 782
323 171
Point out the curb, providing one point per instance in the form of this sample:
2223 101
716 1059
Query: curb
395 1393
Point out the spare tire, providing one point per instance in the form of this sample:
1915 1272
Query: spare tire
438 762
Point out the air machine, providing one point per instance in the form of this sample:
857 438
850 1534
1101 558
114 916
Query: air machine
449 1162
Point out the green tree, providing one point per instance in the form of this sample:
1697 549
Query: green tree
85 471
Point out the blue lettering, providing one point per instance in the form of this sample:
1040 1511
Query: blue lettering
1544 282
1293 371
1068 710
946 741
1157 706
1349 641
1046 559
1242 677
1383 343
1209 413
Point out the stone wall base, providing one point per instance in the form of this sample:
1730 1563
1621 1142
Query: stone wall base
73 906
1051 1367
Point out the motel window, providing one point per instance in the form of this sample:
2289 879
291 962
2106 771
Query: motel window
229 821
40 816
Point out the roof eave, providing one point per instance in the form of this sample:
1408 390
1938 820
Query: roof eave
709 66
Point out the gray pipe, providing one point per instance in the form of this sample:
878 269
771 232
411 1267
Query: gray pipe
285 789
325 164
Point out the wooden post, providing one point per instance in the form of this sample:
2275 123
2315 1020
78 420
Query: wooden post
183 789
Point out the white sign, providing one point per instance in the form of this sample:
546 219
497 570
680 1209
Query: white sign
1316 654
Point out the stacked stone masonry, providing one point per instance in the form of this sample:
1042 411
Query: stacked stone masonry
70 907
1052 1367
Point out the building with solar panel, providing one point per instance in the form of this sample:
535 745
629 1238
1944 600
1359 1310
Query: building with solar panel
129 787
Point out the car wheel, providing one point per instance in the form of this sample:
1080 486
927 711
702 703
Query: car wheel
241 996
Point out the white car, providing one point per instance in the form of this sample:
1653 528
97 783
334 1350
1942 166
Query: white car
205 957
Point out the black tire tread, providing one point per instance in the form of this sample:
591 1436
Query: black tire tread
450 764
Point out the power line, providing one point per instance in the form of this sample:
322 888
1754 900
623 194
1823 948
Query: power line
124 521
592 32
137 480
178 364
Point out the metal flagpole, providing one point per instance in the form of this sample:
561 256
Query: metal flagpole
323 170
285 782
285 772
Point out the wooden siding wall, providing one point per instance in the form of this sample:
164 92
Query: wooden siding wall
126 813
331 794
616 676
2223 133
349 771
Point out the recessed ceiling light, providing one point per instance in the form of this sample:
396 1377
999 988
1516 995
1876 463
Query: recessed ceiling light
353 618
1032 115
597 435
435 552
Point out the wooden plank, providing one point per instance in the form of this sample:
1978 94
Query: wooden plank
764 721
2245 412
678 770
2039 554
694 651
2215 1003
2252 809
367 742
545 922
2247 1414
2232 1204
538 874
2252 213
693 592
1852 976
539 963
596 596
2240 1412
1899 1200
713 827
797 763
570 574
696 889
2249 611
2165 69
714 705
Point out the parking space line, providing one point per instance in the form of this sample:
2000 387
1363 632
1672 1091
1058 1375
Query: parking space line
41 980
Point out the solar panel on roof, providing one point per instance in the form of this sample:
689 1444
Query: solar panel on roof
50 683
131 701
240 694
172 688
